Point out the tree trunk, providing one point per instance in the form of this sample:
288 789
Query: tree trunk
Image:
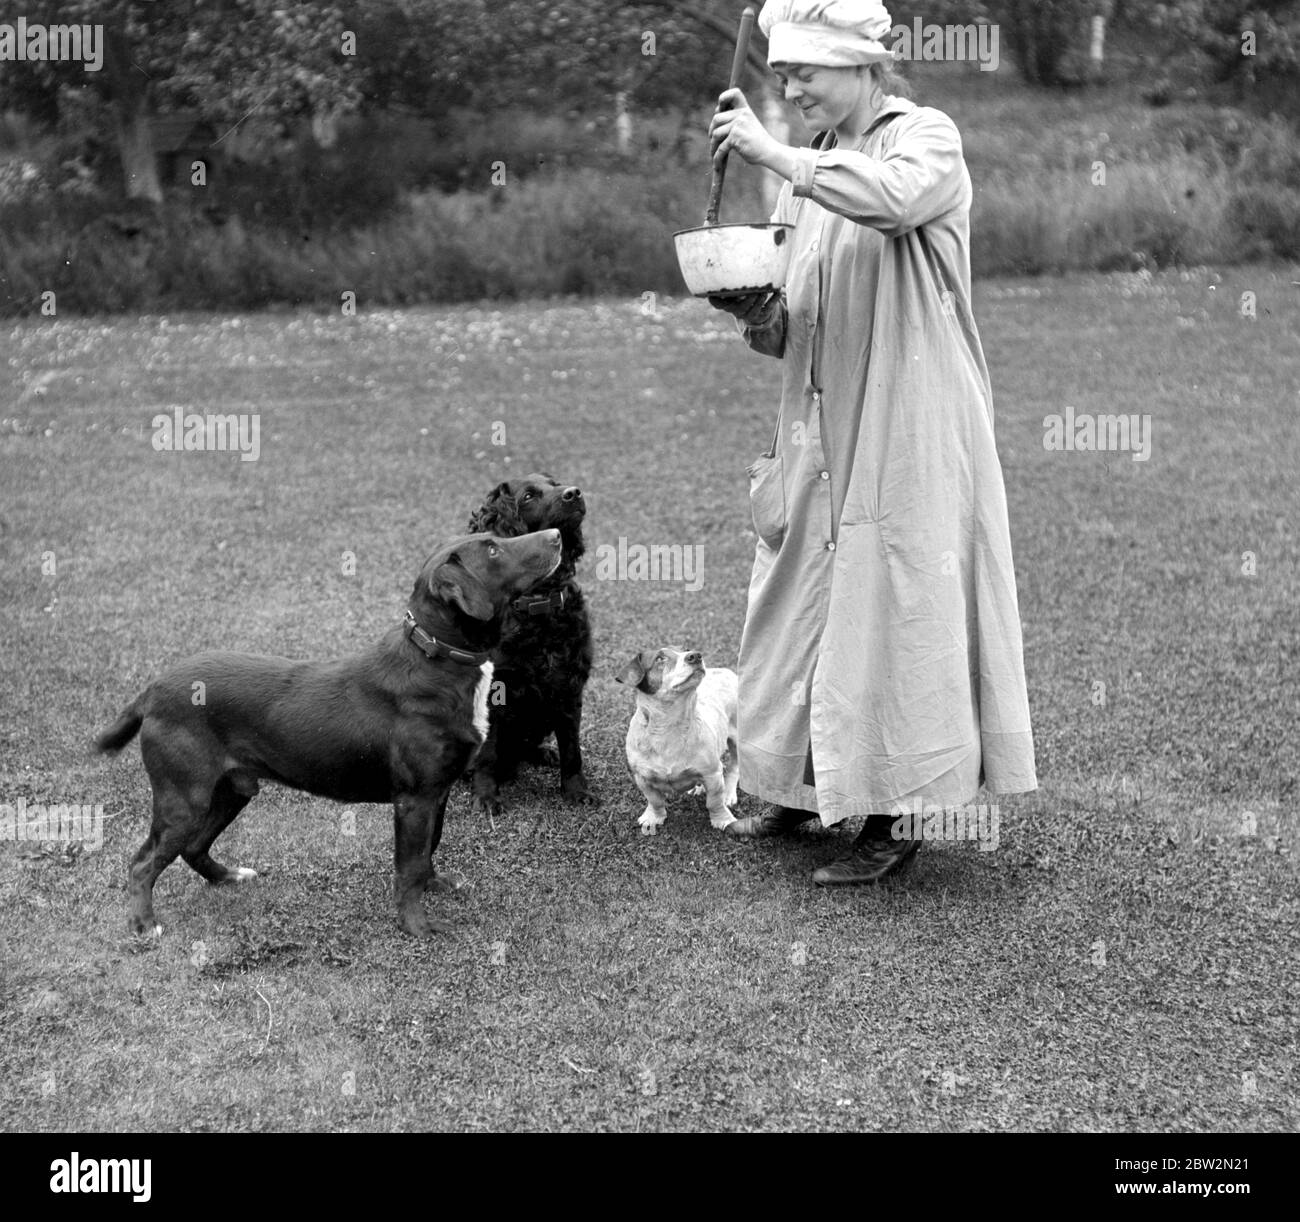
325 128
622 123
126 89
1097 45
135 147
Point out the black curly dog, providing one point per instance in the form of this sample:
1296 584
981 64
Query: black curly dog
544 656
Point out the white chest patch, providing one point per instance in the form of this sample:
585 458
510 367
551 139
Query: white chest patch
481 692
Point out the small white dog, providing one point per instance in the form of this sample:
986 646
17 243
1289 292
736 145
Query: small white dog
683 733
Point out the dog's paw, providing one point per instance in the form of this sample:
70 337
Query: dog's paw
418 924
445 884
575 792
240 874
486 804
649 822
723 819
696 792
143 941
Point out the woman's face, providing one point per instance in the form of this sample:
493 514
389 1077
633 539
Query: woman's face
824 97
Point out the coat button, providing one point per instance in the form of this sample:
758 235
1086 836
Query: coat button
814 246
816 397
830 547
826 475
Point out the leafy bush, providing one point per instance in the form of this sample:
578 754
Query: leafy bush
1273 155
1267 216
1193 186
1146 215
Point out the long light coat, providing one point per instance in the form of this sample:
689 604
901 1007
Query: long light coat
882 629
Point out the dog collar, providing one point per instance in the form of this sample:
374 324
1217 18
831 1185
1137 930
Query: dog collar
434 648
538 604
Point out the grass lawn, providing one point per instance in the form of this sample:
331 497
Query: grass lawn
1119 963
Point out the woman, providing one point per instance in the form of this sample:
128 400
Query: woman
880 663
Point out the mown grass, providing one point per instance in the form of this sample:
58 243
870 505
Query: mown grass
1119 963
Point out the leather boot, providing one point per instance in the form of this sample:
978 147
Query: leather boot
870 862
779 821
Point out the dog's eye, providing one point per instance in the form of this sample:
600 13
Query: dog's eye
527 496
492 551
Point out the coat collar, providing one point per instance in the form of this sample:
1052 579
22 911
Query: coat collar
891 107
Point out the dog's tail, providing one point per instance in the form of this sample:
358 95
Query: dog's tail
123 730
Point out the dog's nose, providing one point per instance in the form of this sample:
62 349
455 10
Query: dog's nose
694 658
572 494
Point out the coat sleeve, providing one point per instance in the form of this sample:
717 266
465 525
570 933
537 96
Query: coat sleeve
923 176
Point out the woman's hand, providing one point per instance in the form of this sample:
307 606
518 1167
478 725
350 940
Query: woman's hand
736 128
751 309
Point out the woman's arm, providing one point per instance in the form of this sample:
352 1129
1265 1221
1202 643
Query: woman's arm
921 177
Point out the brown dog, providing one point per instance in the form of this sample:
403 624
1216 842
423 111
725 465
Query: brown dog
398 723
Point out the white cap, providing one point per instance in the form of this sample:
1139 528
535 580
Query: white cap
825 33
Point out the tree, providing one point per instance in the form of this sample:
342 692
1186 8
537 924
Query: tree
1240 40
232 59
227 58
1040 34
589 56
584 53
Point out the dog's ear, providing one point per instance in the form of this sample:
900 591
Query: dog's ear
452 582
498 514
632 673
634 670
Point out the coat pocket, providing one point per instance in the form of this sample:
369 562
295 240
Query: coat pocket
767 499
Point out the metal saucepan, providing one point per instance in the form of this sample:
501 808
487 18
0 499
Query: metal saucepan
738 258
